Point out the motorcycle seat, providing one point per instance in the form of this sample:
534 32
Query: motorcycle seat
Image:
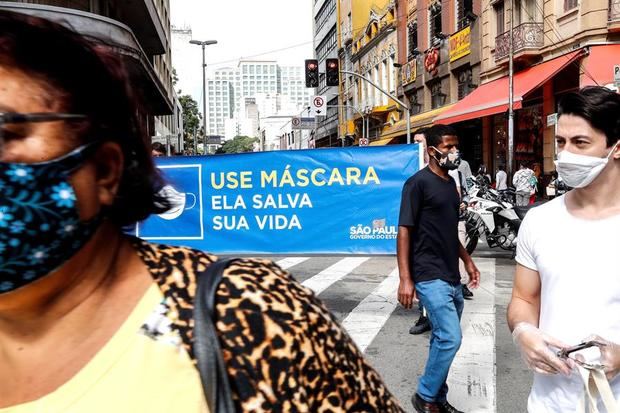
523 210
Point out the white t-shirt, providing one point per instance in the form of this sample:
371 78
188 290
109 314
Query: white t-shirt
580 294
501 178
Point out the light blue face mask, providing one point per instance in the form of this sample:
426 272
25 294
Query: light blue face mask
40 228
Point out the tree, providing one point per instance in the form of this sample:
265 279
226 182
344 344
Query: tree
175 78
192 124
238 144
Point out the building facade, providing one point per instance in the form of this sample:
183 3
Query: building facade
141 29
559 46
325 29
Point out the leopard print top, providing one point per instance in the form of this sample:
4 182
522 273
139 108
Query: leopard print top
284 350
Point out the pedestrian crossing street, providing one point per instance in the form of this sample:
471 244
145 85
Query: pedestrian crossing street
361 292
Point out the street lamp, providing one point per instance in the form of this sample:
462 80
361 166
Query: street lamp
204 91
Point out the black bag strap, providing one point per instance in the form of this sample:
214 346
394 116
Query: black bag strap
209 360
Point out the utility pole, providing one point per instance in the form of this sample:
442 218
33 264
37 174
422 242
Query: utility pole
511 112
204 88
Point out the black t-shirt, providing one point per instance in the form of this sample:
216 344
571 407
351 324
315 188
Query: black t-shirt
430 204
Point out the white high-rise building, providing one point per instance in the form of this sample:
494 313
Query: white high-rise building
293 86
274 90
222 100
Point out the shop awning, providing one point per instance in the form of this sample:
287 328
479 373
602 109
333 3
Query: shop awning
417 121
381 142
599 65
492 98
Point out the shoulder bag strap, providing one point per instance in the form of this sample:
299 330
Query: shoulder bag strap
207 351
596 385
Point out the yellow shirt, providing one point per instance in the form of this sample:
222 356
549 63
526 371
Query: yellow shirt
143 368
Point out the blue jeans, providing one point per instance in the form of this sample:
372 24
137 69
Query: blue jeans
444 306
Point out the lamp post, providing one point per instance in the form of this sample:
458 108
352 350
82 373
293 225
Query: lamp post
394 98
204 90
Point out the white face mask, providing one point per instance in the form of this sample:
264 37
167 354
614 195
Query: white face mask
579 171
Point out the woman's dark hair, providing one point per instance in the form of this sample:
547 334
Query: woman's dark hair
435 134
89 79
599 106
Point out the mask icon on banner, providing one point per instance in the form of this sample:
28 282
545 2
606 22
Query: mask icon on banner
450 160
179 202
579 171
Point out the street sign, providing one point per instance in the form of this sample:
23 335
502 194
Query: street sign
617 75
363 142
302 123
319 105
552 119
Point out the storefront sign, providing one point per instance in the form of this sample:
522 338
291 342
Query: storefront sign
460 44
409 72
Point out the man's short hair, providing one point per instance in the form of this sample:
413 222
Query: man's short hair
158 147
437 132
422 131
599 106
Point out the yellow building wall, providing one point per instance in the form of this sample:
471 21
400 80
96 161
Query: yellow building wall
360 13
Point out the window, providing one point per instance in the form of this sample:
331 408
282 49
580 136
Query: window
438 98
463 9
570 4
434 23
412 39
465 85
324 14
500 26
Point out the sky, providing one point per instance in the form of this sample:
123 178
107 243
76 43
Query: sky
243 28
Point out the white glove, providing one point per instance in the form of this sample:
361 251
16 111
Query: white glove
610 356
534 346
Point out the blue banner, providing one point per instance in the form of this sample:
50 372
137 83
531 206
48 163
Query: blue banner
319 201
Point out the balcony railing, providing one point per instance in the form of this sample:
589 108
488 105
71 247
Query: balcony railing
614 10
527 36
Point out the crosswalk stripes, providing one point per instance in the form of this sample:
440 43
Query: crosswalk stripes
289 262
334 273
367 319
472 377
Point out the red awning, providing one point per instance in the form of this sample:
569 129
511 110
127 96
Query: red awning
492 98
599 65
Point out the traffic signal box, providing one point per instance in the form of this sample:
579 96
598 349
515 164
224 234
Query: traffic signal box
312 73
332 72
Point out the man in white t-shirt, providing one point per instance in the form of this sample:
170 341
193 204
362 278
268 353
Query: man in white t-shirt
523 182
501 179
567 281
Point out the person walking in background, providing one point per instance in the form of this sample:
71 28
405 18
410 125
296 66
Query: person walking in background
158 149
428 251
501 179
461 187
523 183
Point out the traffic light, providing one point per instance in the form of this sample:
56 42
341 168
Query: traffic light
312 73
332 72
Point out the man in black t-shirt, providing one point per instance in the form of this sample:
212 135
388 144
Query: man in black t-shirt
428 251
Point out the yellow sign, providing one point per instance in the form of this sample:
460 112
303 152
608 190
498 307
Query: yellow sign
409 72
460 44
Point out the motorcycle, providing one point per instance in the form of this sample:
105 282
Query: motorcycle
489 214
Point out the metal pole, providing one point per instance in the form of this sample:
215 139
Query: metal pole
408 126
204 101
511 113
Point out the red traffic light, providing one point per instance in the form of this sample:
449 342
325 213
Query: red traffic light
312 66
332 64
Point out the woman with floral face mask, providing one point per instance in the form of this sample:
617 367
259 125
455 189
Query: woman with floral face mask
94 321
567 283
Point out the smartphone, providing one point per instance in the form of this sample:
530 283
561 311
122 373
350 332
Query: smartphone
586 344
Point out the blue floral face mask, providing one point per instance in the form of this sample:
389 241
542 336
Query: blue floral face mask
40 228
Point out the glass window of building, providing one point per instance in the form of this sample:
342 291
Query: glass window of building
437 96
465 85
412 39
463 9
500 25
435 29
570 4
